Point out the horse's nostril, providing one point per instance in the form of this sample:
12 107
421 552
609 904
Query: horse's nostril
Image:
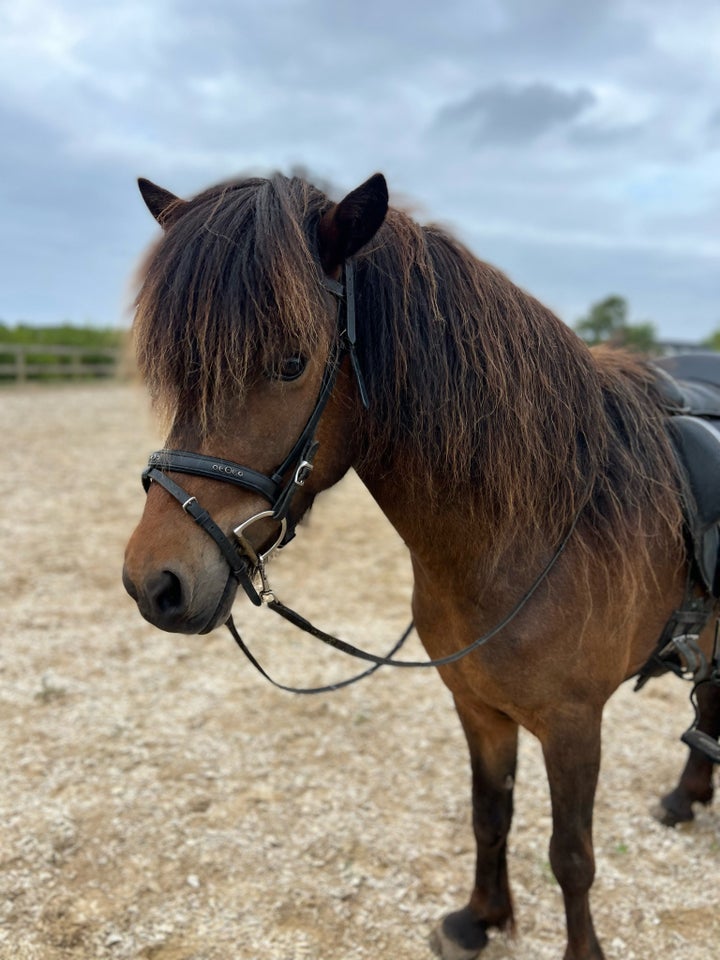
162 598
167 592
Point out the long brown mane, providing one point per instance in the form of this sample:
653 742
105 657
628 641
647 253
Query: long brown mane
474 383
232 284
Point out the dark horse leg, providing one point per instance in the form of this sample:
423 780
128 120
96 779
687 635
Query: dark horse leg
571 746
492 739
695 784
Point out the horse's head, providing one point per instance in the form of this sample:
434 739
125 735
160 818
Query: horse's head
241 333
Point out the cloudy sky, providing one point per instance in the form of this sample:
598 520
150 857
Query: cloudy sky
576 145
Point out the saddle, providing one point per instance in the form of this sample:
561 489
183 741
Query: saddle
690 385
690 388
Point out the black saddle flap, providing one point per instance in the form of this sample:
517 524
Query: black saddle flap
697 444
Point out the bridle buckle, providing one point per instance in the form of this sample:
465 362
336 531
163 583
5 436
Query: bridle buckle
304 469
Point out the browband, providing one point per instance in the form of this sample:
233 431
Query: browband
198 465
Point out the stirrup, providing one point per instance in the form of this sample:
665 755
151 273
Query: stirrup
694 738
703 743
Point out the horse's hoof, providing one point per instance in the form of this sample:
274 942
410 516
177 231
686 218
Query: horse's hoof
456 939
445 948
677 806
671 817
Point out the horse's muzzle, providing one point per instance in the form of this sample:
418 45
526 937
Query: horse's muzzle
164 599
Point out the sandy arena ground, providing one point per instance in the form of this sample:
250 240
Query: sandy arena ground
159 800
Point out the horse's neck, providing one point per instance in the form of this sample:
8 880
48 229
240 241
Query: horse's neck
449 542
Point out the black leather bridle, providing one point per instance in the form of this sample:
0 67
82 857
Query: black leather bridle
245 562
248 564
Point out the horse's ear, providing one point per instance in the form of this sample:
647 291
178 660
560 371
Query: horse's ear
350 224
162 204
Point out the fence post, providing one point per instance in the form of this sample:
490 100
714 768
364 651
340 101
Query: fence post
20 365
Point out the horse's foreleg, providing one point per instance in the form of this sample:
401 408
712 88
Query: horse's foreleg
695 784
492 739
571 746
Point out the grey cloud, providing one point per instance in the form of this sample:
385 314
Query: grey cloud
189 94
678 292
593 135
513 114
72 228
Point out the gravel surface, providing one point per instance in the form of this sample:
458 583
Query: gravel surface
160 800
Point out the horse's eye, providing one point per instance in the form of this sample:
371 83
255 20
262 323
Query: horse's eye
289 369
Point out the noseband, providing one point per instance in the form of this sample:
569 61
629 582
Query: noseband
246 563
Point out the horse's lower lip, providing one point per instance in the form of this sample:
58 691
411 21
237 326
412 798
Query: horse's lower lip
188 626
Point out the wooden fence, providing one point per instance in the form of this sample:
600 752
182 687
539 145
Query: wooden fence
21 362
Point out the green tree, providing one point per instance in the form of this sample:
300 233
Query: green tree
607 322
604 321
640 336
713 341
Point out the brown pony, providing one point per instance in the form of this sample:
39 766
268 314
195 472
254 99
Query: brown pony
491 434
